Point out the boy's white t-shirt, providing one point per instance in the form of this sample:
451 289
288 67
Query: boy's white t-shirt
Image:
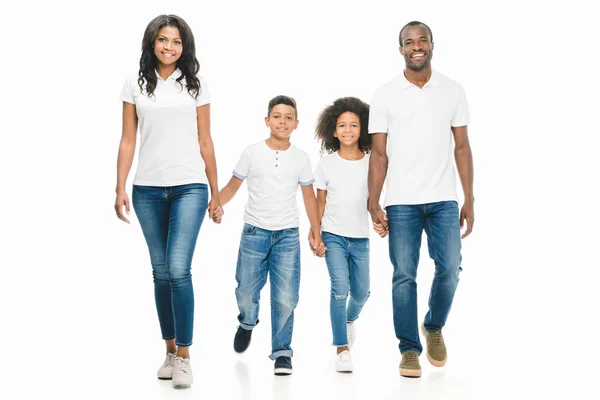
346 184
168 125
273 178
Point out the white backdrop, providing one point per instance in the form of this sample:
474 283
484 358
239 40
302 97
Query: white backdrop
76 303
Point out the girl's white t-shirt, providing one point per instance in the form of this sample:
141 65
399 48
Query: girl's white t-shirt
346 184
167 122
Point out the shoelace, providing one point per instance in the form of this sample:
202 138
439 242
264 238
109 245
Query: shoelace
169 361
436 338
410 356
181 365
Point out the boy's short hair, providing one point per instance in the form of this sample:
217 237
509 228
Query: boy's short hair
288 101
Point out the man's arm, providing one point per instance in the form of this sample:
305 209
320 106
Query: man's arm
464 164
378 165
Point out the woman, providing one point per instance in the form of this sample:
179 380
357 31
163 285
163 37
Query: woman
176 167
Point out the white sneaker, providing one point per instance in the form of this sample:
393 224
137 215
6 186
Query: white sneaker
166 370
351 333
182 372
343 362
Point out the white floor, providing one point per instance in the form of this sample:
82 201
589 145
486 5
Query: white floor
96 334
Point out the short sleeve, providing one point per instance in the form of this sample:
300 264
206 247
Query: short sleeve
461 113
320 182
127 92
378 116
306 175
204 94
243 166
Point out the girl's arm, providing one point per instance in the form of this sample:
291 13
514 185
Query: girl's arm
207 151
321 198
125 158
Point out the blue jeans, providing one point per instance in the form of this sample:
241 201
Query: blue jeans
406 223
348 264
278 254
170 218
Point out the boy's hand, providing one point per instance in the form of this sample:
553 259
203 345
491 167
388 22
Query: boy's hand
215 211
316 244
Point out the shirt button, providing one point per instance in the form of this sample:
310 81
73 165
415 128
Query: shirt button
276 165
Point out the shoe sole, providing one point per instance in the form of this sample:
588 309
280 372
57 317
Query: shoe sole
344 371
183 384
165 378
410 373
432 361
283 371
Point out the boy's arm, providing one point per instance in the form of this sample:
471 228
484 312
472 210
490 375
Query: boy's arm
227 193
312 211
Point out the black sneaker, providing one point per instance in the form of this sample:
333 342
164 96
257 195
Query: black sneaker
241 340
283 366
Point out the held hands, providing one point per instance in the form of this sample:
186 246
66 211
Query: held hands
380 221
121 201
215 211
316 243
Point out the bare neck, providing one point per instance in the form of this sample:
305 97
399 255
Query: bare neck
278 144
351 153
418 78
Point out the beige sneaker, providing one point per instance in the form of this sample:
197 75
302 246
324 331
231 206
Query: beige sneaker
436 348
409 366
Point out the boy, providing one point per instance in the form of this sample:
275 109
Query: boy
270 243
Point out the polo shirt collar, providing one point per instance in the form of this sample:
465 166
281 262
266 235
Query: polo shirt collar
434 81
176 74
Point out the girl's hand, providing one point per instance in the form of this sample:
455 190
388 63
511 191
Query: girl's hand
215 211
380 229
121 201
316 244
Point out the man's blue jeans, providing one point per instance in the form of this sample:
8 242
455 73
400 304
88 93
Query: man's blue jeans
441 224
276 253
348 264
170 218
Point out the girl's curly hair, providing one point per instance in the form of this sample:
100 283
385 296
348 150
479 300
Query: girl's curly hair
327 122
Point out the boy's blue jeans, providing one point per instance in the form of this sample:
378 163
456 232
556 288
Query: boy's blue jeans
348 264
276 253
406 224
170 218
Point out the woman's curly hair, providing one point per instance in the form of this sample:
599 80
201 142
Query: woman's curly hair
187 63
327 122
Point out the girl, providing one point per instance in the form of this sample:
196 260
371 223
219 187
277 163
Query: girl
341 181
176 167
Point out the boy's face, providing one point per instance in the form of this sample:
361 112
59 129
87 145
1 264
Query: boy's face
282 121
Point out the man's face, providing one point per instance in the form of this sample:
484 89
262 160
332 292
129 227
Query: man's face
417 47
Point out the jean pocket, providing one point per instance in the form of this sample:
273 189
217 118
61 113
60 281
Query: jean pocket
248 229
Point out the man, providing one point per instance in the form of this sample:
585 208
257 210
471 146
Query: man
419 113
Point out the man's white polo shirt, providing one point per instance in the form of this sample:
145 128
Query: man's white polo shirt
420 145
168 125
273 178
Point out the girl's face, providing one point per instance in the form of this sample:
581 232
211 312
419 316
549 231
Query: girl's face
168 46
347 129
